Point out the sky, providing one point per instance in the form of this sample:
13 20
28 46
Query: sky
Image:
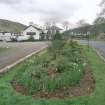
40 11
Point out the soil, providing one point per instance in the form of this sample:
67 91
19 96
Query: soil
84 88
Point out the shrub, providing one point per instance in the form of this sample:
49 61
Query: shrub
31 38
60 64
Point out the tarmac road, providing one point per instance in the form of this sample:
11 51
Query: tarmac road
16 51
98 45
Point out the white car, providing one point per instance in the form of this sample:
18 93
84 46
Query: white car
22 38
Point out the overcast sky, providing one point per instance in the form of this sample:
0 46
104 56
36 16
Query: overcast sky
39 11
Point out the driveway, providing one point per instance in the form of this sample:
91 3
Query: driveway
16 51
98 45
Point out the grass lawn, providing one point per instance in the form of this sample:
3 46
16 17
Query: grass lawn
9 97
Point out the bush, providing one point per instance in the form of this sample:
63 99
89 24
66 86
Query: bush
60 64
31 38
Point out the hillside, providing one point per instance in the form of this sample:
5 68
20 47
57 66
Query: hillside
81 29
10 26
96 30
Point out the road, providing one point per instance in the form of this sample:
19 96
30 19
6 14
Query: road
98 45
16 51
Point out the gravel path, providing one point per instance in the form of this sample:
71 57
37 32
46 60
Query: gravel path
17 51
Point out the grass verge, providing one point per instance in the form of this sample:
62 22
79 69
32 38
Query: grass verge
9 97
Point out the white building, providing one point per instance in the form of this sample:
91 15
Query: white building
30 31
8 36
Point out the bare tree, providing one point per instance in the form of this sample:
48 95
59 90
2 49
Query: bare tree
47 25
50 26
53 23
102 5
66 25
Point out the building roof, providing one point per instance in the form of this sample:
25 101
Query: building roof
33 27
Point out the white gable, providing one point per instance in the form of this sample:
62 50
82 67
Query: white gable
31 29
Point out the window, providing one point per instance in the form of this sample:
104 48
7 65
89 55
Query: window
3 33
31 33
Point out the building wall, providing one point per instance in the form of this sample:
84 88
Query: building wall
61 31
5 36
31 29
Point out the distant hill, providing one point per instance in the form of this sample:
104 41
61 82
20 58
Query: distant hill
83 30
95 30
10 26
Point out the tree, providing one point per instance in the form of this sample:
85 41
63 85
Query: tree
57 36
56 46
47 25
102 5
51 28
66 25
99 20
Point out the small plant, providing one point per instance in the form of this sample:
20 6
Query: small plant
31 38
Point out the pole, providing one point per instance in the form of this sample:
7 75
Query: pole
88 41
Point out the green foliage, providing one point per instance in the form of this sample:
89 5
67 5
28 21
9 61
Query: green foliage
60 64
9 97
95 29
48 73
99 20
57 44
42 36
57 36
31 38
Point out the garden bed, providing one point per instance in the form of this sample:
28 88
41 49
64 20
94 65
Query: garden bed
84 88
60 72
